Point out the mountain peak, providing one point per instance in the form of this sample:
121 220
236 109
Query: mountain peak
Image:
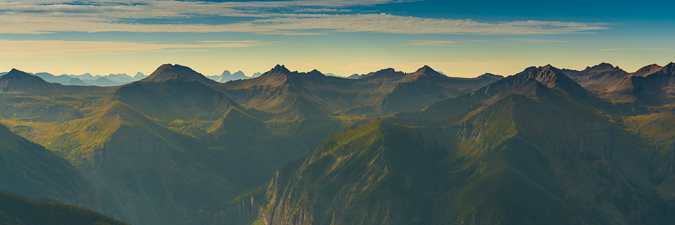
546 75
386 73
648 69
139 76
601 66
168 72
226 73
238 75
18 74
668 69
315 72
280 69
491 76
426 69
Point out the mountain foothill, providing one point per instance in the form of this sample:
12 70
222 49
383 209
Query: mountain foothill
543 146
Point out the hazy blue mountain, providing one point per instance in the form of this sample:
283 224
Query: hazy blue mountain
226 76
103 82
120 78
86 76
139 76
62 79
76 81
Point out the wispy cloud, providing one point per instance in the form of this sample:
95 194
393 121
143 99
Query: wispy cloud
50 48
301 17
433 43
637 49
538 40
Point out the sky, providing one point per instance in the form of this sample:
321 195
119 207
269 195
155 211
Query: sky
460 38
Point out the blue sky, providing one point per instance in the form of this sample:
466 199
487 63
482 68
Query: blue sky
460 38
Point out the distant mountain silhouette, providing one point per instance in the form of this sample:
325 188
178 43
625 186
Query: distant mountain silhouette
76 81
17 80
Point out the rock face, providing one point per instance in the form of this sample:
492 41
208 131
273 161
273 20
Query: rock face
529 149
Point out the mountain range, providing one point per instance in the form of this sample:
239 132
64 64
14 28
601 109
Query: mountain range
122 78
543 146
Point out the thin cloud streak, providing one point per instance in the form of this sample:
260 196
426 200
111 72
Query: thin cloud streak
378 23
637 49
538 41
58 48
433 43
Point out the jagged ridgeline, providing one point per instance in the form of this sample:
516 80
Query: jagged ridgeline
543 146
533 148
176 147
